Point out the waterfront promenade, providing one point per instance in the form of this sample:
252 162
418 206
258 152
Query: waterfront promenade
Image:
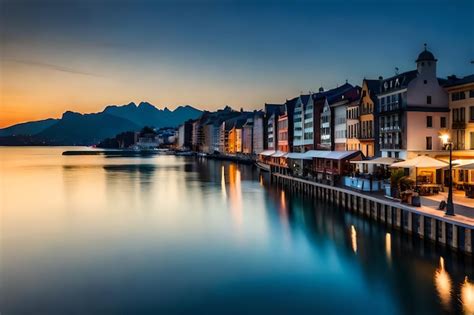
426 221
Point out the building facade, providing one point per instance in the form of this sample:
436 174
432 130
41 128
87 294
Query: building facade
368 119
461 104
413 108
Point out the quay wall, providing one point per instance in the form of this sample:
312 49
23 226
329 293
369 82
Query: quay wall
449 231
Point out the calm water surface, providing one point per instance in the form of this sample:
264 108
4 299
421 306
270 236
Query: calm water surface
97 235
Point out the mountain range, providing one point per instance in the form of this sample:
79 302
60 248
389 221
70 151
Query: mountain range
88 129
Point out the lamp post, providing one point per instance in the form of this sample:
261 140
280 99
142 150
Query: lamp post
449 203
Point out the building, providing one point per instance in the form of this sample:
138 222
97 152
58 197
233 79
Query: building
413 108
339 107
285 127
185 134
258 134
332 100
247 136
272 111
368 119
353 125
298 123
461 104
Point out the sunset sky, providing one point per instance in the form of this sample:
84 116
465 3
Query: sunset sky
83 55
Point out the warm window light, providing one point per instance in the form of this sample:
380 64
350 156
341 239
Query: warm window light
444 137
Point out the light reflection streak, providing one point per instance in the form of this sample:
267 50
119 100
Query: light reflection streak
235 194
223 189
388 245
354 238
467 297
443 284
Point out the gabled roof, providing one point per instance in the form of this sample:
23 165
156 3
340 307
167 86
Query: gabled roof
398 81
304 99
271 109
451 82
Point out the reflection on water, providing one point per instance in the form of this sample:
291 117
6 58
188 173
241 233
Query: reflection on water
95 235
223 187
467 296
354 239
443 284
388 245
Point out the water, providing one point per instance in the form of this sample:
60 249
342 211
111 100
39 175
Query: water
96 235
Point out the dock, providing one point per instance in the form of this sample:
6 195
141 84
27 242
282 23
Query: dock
455 232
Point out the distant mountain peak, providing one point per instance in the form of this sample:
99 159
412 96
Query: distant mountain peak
70 114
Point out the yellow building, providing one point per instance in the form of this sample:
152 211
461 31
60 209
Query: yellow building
368 137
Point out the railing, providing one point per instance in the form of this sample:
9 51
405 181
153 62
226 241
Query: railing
390 146
458 125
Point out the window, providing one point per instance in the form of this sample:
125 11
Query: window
472 140
442 122
456 96
471 93
425 81
471 113
428 99
429 143
429 121
397 154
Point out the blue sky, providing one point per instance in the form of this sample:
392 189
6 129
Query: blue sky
212 53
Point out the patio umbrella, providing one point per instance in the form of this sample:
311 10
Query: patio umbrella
465 167
421 161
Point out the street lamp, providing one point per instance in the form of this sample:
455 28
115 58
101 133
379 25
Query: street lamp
449 205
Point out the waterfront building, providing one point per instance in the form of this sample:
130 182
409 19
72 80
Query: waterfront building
353 125
339 108
298 122
196 135
368 127
258 132
272 111
247 136
285 127
352 98
413 108
461 104
185 133
333 99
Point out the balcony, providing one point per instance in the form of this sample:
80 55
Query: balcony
391 107
388 146
459 125
390 129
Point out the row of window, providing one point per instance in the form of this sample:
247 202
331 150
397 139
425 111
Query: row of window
457 96
429 122
459 114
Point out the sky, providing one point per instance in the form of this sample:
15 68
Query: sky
84 55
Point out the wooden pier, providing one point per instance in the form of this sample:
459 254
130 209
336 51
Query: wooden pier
456 232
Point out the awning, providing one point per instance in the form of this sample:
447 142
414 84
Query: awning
298 156
469 166
278 154
380 160
267 152
421 161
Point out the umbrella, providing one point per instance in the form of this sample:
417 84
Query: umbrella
380 160
465 167
421 161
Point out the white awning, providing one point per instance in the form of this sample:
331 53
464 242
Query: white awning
267 152
279 154
380 160
421 161
298 156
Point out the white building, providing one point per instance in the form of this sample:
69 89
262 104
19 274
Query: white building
413 109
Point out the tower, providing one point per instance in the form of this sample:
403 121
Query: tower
426 64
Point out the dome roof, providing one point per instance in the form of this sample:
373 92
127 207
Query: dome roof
425 55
